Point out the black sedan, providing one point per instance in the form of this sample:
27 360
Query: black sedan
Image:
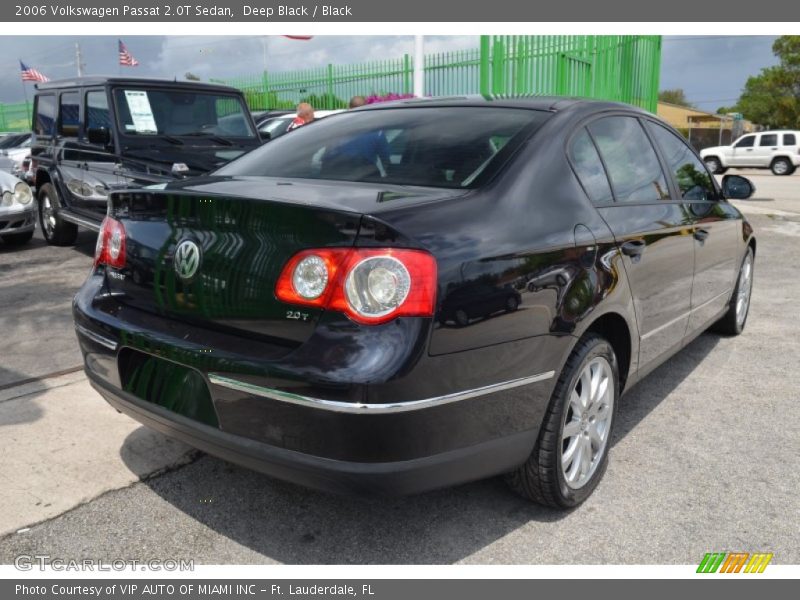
291 312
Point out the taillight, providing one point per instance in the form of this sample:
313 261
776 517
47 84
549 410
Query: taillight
110 249
369 285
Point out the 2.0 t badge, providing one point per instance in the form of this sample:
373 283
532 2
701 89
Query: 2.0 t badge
187 260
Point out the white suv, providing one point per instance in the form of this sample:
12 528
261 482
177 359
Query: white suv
775 150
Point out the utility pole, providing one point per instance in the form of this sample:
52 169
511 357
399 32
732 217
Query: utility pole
78 59
419 66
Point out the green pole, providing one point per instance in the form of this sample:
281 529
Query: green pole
406 74
485 69
330 87
499 68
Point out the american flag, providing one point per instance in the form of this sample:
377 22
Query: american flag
126 58
29 74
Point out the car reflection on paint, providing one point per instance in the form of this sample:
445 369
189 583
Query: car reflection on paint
478 299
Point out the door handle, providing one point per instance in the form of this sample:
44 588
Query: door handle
749 150
701 234
633 248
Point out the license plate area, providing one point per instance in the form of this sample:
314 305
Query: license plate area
181 389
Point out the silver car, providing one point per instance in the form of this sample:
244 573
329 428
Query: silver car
17 210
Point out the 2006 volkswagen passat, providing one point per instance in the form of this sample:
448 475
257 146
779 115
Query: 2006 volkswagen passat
413 295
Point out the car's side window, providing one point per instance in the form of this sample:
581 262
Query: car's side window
589 168
691 175
630 159
747 141
69 114
97 114
44 122
768 139
789 139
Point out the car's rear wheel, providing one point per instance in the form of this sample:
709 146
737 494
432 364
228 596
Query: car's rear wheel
782 166
571 454
713 164
461 317
17 239
735 319
55 230
512 304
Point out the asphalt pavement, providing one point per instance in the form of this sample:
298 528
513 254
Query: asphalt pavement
704 455
37 283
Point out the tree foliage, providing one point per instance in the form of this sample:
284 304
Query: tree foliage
675 96
772 98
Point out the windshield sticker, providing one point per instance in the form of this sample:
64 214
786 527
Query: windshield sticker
141 113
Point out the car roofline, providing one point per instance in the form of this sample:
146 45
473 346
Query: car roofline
95 80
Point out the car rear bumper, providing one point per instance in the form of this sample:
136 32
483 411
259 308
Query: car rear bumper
383 478
286 423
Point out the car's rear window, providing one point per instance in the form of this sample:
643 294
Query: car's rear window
451 147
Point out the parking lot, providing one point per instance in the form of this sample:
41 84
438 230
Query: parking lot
704 456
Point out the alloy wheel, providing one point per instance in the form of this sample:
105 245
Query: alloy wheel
744 289
48 215
587 422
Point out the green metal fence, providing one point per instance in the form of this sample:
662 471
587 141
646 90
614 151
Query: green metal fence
15 117
623 68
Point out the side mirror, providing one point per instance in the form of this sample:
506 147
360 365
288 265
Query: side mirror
736 187
99 135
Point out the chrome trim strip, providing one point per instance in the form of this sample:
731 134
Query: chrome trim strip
669 323
96 337
727 292
685 315
351 407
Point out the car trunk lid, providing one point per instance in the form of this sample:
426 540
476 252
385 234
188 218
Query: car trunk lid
215 258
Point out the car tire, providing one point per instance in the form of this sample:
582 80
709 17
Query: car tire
461 317
17 239
714 165
55 230
543 478
734 320
512 304
782 166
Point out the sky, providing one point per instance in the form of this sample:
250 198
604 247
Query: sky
711 69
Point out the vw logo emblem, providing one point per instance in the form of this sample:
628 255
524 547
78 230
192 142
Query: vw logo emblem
187 259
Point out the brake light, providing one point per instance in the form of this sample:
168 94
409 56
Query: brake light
369 285
110 249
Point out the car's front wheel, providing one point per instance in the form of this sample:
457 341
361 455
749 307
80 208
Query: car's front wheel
571 453
56 231
713 164
782 166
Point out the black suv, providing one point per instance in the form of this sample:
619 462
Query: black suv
92 135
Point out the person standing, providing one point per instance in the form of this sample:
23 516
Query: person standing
305 114
357 101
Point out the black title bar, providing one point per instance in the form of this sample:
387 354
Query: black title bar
400 11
